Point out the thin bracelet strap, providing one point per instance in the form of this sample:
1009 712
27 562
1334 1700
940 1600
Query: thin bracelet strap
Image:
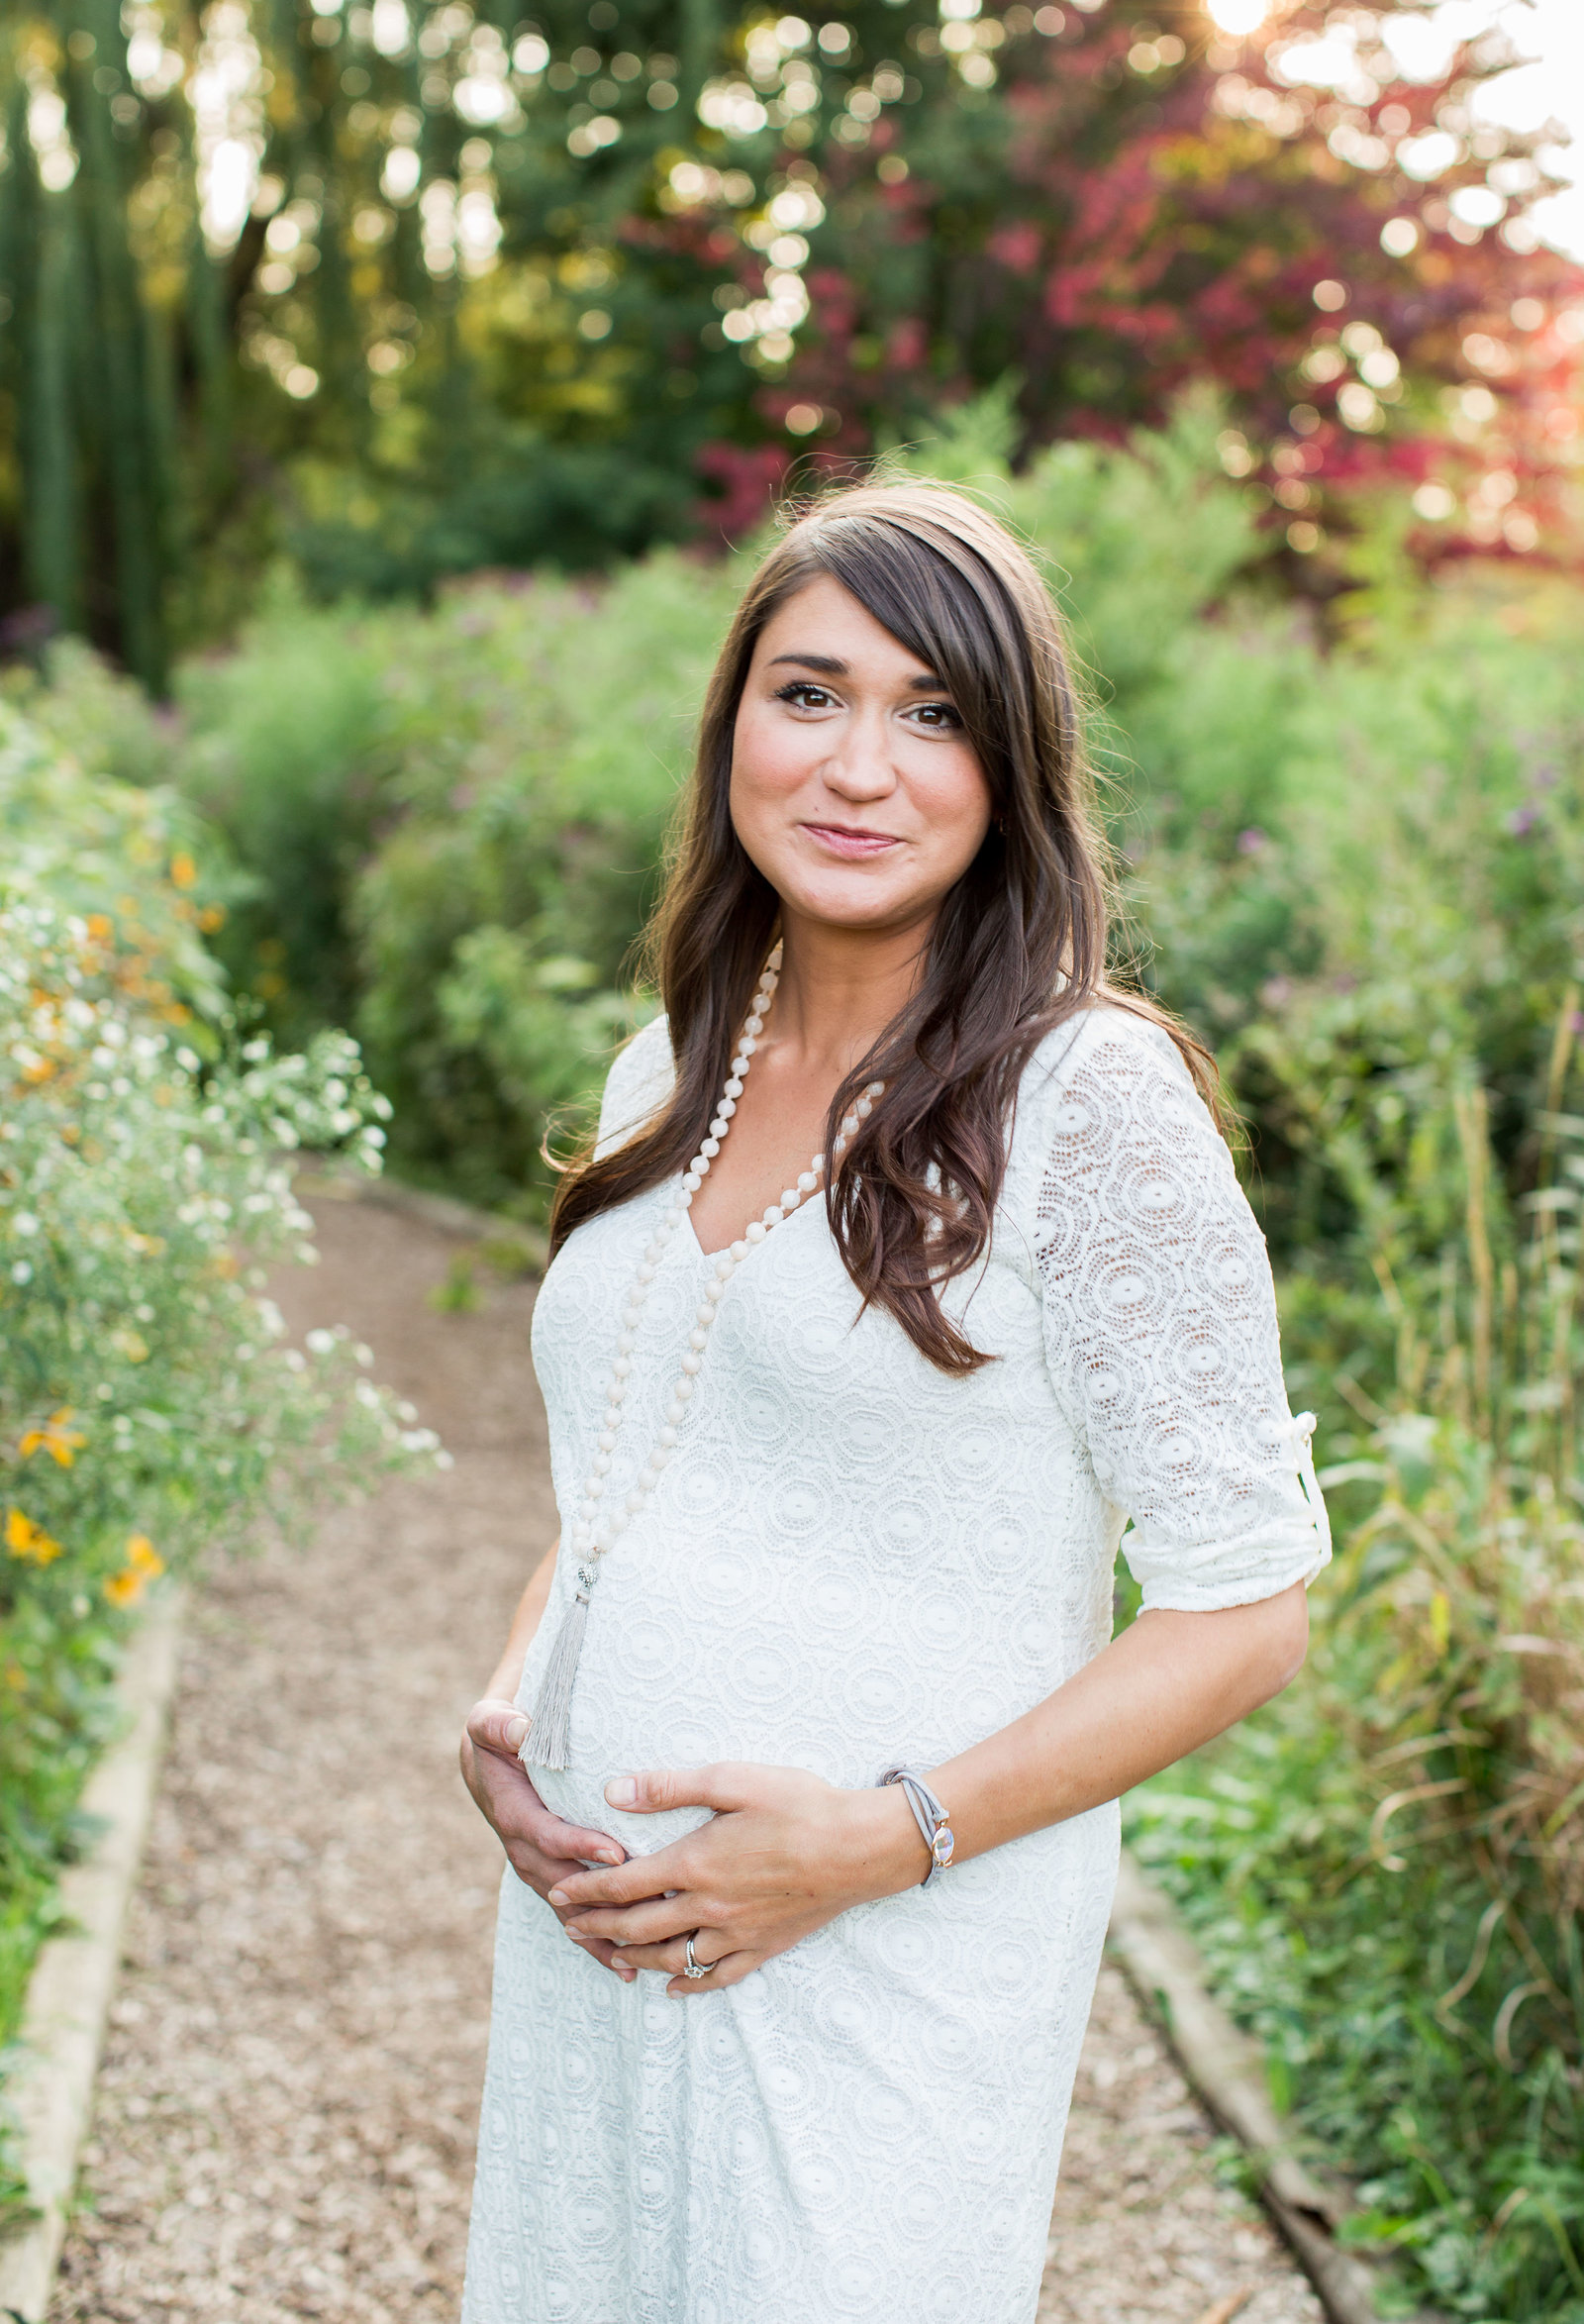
930 1814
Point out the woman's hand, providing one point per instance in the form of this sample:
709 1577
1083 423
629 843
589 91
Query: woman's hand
541 1848
783 1854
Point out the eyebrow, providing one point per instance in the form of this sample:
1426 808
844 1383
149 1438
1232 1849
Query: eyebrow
831 667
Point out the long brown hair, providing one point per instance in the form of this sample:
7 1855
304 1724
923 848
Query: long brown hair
1019 945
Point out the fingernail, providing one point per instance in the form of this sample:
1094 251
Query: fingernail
620 1961
622 1791
516 1733
559 1897
606 1856
629 1977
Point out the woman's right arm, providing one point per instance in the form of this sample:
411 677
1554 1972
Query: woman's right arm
540 1848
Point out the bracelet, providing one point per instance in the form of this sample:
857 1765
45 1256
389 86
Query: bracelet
931 1818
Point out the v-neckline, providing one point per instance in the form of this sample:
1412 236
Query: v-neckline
701 1254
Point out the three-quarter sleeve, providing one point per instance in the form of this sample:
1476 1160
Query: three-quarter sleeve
640 1079
1160 1330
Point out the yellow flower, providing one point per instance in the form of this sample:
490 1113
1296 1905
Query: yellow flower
143 1564
24 1539
55 1438
183 870
143 1558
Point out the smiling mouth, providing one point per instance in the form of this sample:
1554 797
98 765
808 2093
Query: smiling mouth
843 840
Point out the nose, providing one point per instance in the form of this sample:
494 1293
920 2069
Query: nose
859 766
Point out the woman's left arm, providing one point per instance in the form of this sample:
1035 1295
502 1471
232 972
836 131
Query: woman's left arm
785 1852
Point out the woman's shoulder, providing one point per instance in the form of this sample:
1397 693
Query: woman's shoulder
640 1079
1108 1041
1108 1082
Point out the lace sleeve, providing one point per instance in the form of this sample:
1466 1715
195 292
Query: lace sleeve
638 1084
1161 1327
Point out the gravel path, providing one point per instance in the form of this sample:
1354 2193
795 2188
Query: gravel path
285 2114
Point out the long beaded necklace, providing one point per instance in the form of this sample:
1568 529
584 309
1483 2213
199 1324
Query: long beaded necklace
601 1520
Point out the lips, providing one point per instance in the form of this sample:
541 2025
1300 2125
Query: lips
844 840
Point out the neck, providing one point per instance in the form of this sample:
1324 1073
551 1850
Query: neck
841 988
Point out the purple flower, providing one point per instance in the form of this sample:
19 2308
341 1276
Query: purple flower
1523 820
1252 841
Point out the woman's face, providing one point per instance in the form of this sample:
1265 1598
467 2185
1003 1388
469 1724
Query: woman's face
854 787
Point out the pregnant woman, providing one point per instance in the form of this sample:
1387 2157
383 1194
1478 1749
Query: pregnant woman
908 1268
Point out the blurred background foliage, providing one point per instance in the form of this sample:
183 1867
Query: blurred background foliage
404 289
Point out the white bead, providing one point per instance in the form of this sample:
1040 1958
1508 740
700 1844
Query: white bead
624 1343
668 1432
676 1414
673 1217
650 1477
691 1177
691 1363
807 1181
733 1087
790 1198
685 1200
616 1525
636 1500
863 1110
587 1511
715 1289
697 1338
739 1065
875 1089
748 1045
754 1026
684 1387
622 1367
719 1128
594 1489
645 1272
773 1217
710 1148
607 1439
601 1461
739 1252
726 1261
816 1166
757 1232
727 1107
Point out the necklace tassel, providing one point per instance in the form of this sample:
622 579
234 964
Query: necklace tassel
547 1743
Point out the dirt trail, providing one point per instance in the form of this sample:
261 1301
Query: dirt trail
285 2116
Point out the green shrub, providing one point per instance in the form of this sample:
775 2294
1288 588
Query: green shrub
148 1405
1386 1867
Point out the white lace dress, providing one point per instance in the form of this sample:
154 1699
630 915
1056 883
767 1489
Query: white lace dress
853 1561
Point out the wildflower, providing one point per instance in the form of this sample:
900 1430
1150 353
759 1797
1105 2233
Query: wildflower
143 1564
183 870
62 1441
25 1539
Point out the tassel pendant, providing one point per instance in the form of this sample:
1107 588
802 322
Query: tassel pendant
548 1740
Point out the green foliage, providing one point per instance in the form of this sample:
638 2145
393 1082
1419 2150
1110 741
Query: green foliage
452 822
405 297
147 1407
1386 1867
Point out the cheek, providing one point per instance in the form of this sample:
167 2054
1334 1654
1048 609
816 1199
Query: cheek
954 802
769 757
